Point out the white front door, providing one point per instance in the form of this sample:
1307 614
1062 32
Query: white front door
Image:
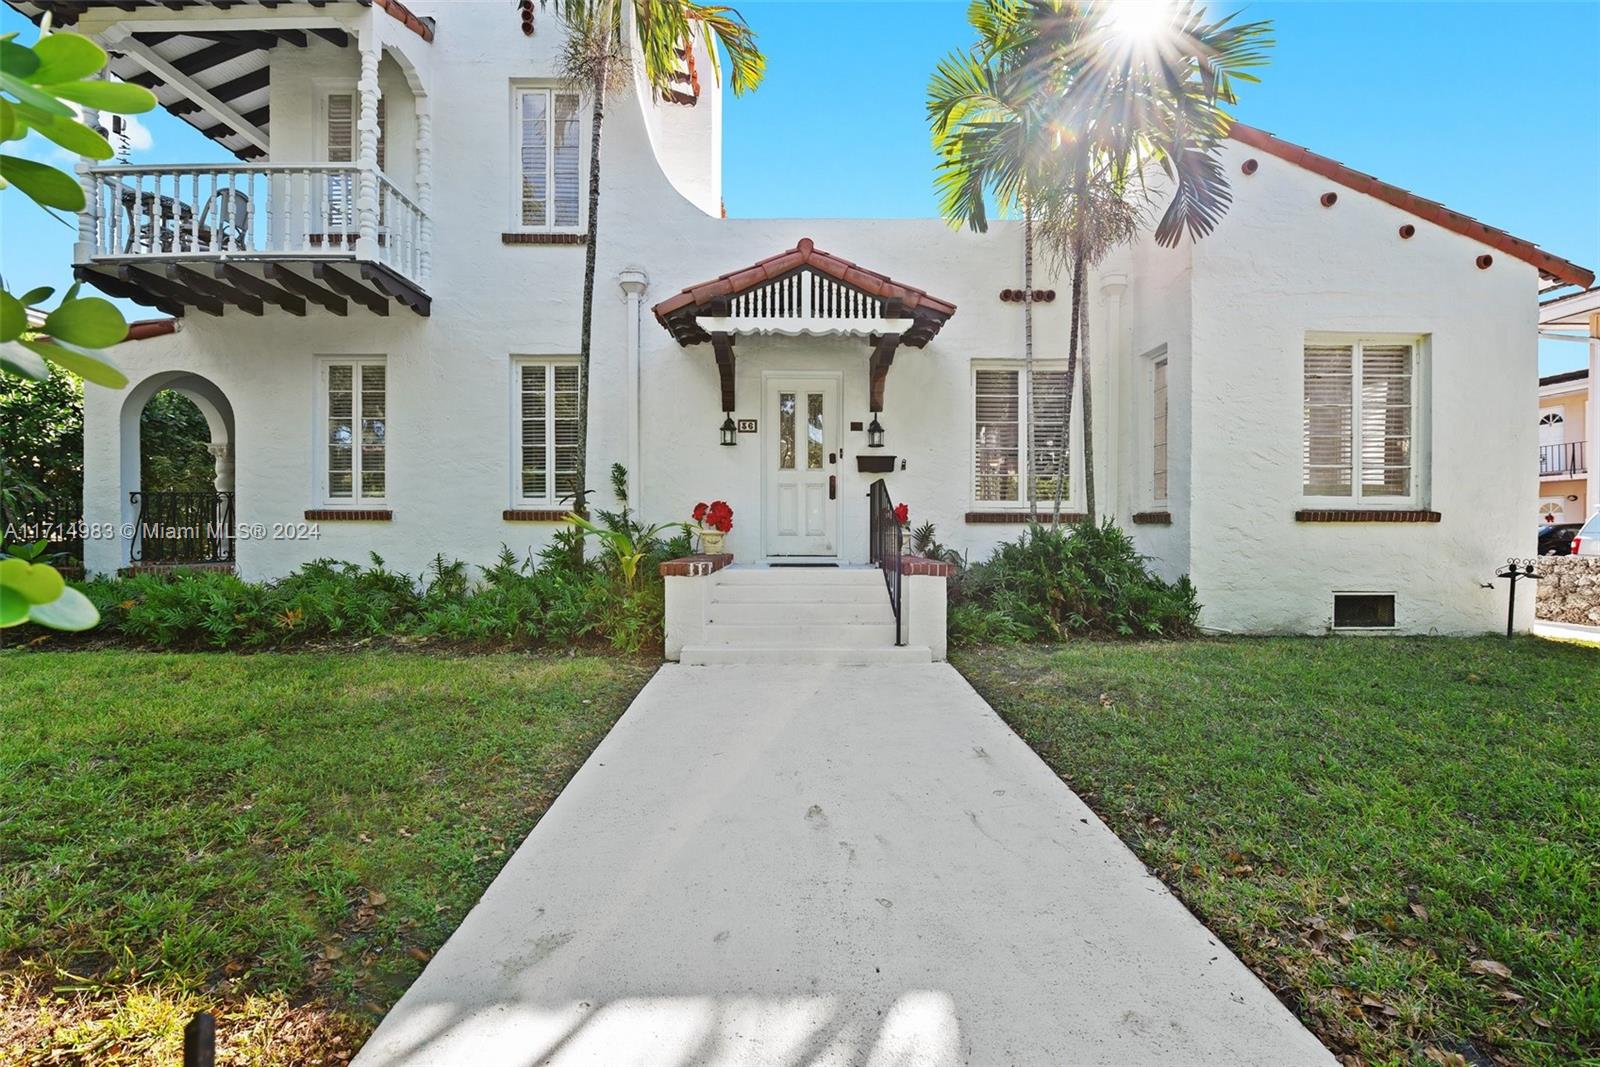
802 467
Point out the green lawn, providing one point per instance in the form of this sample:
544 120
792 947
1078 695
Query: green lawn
1402 837
281 838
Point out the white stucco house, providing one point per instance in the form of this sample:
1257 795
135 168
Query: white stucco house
1322 412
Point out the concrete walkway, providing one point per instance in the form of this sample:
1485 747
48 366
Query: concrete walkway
815 865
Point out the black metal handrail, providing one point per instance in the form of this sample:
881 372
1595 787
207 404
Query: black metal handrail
887 545
182 528
58 520
1565 458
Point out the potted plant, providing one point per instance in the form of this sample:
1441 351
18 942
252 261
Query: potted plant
713 521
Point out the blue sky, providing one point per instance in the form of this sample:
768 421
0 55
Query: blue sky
1487 107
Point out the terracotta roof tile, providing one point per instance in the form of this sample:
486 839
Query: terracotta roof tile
1551 266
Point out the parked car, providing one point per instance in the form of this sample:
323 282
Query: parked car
1557 540
1587 543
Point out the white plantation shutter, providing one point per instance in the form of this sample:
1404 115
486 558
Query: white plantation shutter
356 415
998 436
1359 422
1047 430
1327 448
342 147
1386 406
546 439
549 153
1158 433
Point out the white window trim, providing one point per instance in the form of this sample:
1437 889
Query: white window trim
1421 431
552 498
1147 423
1073 502
356 500
514 184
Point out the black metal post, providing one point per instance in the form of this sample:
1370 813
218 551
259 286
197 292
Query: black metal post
200 1041
1514 570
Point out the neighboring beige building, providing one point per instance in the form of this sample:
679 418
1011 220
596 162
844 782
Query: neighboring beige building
1563 441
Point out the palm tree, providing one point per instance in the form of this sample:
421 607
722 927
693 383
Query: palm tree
596 60
992 138
1131 106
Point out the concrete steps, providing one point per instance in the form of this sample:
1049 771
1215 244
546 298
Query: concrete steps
800 615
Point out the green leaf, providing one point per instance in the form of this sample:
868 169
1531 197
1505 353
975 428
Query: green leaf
18 59
74 136
66 57
13 608
28 94
70 611
90 366
13 317
36 295
20 361
44 185
118 97
8 122
89 322
37 583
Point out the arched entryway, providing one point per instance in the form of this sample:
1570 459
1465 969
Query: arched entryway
174 516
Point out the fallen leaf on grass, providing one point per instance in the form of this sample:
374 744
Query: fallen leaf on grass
1382 1008
1443 1058
332 952
1539 1020
364 837
376 899
1420 912
1510 996
421 955
1490 967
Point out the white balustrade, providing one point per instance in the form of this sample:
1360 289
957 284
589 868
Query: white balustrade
272 210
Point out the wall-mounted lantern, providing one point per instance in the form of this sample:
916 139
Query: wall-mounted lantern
730 432
874 432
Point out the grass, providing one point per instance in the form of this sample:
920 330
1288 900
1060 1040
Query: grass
1401 837
281 839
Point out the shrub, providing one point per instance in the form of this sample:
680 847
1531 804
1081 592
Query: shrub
1055 582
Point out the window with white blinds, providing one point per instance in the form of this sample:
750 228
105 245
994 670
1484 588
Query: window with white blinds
1360 416
342 145
548 152
1005 432
355 422
545 431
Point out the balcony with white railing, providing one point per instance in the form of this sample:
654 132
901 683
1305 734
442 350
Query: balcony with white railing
211 235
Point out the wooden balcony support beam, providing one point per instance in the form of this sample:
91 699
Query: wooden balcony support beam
345 286
113 286
277 272
249 283
172 292
178 274
387 281
722 345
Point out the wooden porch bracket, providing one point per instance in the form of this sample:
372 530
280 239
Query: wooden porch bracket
249 283
722 344
178 274
392 284
114 286
310 290
344 285
883 349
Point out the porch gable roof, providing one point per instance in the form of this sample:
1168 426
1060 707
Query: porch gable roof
679 314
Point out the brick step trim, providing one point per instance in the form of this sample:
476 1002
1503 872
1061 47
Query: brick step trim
1364 515
933 568
349 515
695 566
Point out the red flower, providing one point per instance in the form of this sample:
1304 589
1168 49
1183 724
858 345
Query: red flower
719 516
902 514
700 512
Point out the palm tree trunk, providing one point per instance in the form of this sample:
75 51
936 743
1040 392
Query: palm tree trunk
1088 418
1079 269
1027 358
580 502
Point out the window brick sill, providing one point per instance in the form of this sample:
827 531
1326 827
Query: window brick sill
349 515
544 238
1152 518
535 515
1018 517
1365 515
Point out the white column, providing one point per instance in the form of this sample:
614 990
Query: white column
222 455
367 157
89 217
425 188
1115 400
1592 419
633 282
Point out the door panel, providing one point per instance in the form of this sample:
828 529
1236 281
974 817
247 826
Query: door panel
801 513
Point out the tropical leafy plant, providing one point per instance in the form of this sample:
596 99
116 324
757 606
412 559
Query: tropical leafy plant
38 86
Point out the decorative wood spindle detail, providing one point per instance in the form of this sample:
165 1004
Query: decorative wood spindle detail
425 189
367 128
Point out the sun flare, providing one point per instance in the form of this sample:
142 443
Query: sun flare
1139 20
